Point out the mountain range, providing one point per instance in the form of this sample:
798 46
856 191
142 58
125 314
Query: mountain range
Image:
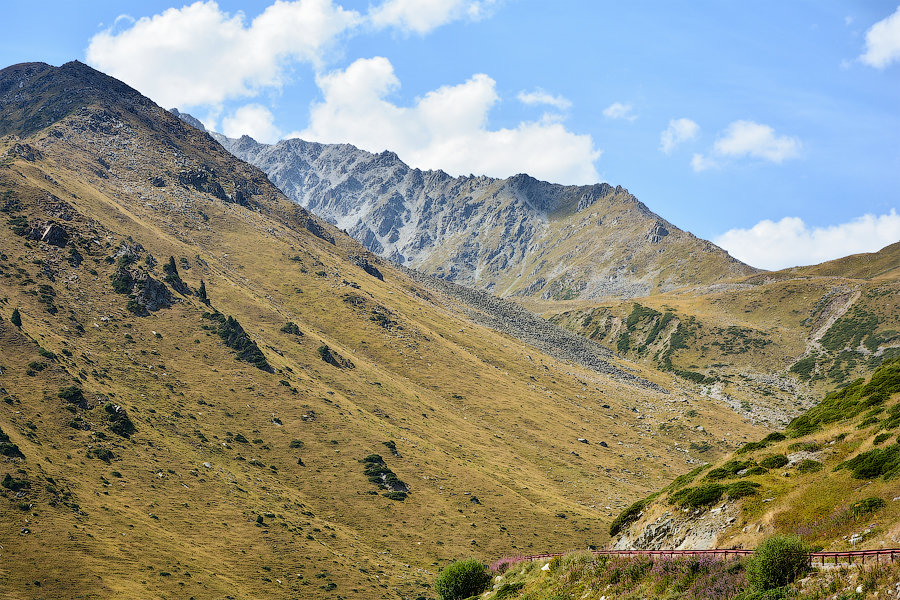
207 391
210 391
512 237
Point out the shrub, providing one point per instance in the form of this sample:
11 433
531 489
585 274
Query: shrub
808 465
7 448
119 422
237 339
757 470
777 562
683 480
16 318
700 496
740 489
73 395
866 506
729 469
775 436
774 461
462 579
122 281
13 484
201 293
878 462
628 516
292 328
881 437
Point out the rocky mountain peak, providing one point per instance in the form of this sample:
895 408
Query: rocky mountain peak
514 236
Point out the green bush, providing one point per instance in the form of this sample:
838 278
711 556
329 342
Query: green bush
629 516
740 489
291 328
237 339
119 421
878 462
462 579
683 480
774 461
880 438
777 562
729 469
866 506
73 395
11 483
808 465
7 448
696 497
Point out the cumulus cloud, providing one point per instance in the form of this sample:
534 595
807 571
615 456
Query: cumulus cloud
702 163
790 242
617 110
198 54
445 129
746 138
883 42
254 120
422 16
539 96
678 131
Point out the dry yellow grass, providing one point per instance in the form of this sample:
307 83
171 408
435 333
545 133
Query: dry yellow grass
175 513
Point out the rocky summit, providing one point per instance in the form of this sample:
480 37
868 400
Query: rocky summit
513 237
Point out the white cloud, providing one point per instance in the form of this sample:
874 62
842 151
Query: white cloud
254 120
445 129
702 163
422 16
746 138
539 96
883 42
617 110
789 242
678 131
198 54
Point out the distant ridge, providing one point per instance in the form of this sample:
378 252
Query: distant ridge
513 237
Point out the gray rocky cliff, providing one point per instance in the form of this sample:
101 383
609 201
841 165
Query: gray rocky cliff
515 236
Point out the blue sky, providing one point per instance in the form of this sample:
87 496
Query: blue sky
771 127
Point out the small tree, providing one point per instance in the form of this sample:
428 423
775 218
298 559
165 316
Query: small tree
462 579
16 318
777 562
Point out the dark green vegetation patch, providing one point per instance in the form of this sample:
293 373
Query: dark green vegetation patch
707 494
462 579
7 448
379 474
878 462
237 339
850 401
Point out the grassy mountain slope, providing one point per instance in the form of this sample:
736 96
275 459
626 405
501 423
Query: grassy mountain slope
767 345
829 477
257 404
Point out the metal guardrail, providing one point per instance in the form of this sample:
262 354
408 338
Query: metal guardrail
814 557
